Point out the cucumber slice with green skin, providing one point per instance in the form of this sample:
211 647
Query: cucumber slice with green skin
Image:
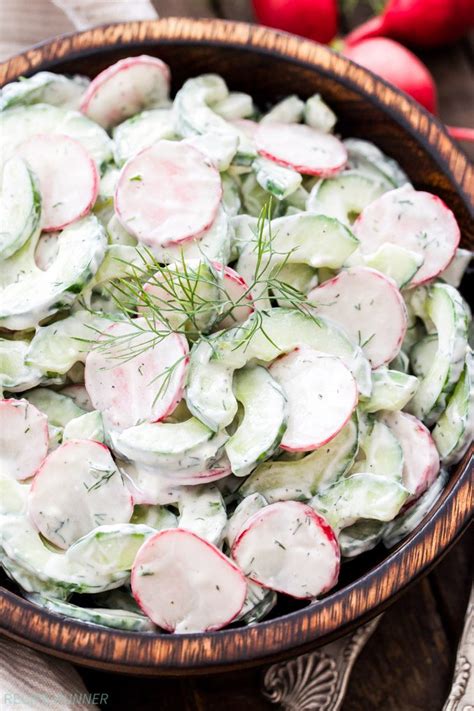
141 131
321 394
289 548
19 124
391 390
254 197
318 114
209 393
457 267
230 195
23 438
195 589
415 220
302 479
20 207
59 408
67 176
202 511
361 537
87 426
117 235
246 508
454 430
401 363
157 517
106 617
275 179
233 290
303 148
383 454
420 456
365 156
288 110
95 494
57 347
445 308
244 229
175 172
46 250
13 495
299 277
423 354
126 88
125 378
345 196
219 149
369 307
361 495
29 582
119 262
44 88
15 375
36 296
264 423
236 105
78 395
396 262
258 603
413 515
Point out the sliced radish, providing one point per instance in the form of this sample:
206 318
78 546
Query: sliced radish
420 456
167 194
79 395
236 291
23 438
248 127
185 584
415 220
321 394
129 388
78 487
67 175
302 148
289 548
125 89
191 477
369 307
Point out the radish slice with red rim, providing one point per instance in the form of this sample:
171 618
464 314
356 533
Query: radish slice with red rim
302 148
23 438
185 584
321 394
125 89
369 307
289 548
77 488
234 290
129 388
167 194
415 220
420 456
67 176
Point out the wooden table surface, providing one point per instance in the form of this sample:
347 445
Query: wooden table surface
408 663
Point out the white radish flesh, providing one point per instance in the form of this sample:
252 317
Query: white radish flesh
415 220
420 456
167 194
130 388
235 290
23 438
78 487
369 307
321 394
289 548
67 175
125 89
185 584
302 148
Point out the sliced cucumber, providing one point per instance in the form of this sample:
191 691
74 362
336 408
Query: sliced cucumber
391 390
44 88
383 454
318 114
300 480
246 508
20 207
366 157
258 603
454 430
345 196
361 537
401 363
236 105
141 131
445 308
60 409
231 201
288 110
218 148
158 517
457 267
202 511
86 426
264 423
294 280
361 495
15 375
275 179
13 495
396 262
423 354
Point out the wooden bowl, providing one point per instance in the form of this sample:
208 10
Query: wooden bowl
269 65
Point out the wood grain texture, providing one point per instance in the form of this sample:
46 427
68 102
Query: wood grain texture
268 64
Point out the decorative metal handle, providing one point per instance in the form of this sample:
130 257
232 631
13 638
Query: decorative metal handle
461 697
317 681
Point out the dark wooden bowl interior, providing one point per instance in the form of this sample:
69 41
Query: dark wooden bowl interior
269 65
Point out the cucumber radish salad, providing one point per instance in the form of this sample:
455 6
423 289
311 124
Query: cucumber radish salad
232 349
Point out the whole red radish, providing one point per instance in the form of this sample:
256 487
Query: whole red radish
393 62
315 19
425 23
